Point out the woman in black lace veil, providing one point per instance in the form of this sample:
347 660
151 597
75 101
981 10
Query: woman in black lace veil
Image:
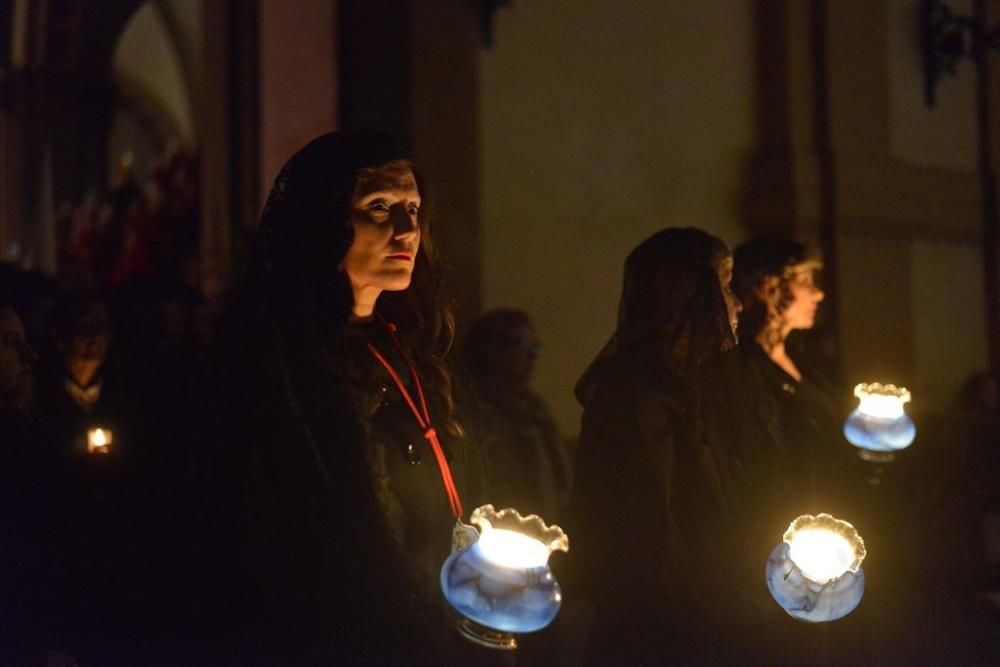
659 551
337 512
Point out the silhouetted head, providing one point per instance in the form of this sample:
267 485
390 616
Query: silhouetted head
673 309
16 363
502 346
82 327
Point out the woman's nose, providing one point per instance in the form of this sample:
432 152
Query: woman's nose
403 222
819 294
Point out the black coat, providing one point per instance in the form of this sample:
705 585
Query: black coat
332 515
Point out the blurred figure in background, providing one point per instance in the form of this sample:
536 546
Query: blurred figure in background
32 294
77 395
29 511
528 462
980 402
75 392
16 363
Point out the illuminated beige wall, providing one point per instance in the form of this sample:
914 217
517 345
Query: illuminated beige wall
911 286
949 323
946 284
600 123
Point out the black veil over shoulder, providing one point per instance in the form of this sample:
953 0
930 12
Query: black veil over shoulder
662 446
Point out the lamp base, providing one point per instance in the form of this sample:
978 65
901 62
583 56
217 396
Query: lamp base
495 639
877 457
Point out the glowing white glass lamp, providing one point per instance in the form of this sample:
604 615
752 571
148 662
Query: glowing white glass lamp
99 440
501 583
879 426
815 573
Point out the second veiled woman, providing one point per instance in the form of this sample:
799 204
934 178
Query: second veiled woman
652 513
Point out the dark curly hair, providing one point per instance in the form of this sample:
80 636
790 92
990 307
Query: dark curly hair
757 261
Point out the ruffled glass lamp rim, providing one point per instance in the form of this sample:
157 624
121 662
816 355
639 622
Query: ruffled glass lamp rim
828 522
878 389
487 517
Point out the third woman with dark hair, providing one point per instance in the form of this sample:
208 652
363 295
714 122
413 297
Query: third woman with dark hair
776 281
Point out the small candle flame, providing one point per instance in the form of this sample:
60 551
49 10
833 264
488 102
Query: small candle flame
98 440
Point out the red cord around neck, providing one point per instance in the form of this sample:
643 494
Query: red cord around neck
422 415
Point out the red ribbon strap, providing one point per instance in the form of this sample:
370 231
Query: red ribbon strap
424 420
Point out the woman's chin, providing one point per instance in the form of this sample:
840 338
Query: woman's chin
397 285
804 322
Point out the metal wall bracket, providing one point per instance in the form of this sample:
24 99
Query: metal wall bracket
946 39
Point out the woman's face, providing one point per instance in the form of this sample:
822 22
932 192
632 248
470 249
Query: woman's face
88 342
733 306
16 359
386 233
801 311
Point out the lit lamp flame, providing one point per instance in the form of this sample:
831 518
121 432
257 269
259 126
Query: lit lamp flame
511 549
99 441
823 547
879 426
884 401
815 573
502 583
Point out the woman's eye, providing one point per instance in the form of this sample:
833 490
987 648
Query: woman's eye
413 210
378 205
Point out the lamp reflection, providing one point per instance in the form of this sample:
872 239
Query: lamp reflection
815 573
99 441
879 426
502 583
